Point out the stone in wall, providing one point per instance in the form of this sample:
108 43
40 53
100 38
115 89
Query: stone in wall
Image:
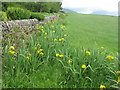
23 24
9 25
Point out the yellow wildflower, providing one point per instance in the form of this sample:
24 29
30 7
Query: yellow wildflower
53 31
42 30
57 55
62 27
12 52
65 35
101 87
11 47
118 72
110 57
83 66
42 26
87 52
41 50
119 79
69 61
27 57
102 48
45 33
38 51
61 55
41 53
62 39
36 24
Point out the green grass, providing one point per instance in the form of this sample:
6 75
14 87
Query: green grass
50 68
91 31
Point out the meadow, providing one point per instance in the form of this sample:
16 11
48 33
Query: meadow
93 31
79 51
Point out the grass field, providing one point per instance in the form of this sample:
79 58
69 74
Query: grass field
91 31
50 57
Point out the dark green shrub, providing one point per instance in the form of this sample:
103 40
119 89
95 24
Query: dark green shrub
3 16
38 16
15 13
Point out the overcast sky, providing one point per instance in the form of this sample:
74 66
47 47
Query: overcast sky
108 5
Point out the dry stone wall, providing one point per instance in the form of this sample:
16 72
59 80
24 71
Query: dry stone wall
29 23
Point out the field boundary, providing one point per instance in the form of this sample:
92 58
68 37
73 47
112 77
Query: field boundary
26 23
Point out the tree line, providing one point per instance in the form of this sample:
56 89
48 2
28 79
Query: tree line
49 7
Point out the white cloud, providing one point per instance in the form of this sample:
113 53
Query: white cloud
108 5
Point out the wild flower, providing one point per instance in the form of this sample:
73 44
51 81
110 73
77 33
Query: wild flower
45 33
102 86
57 55
62 27
61 55
110 57
62 39
42 29
11 47
65 35
53 31
41 50
38 51
102 47
28 57
42 26
69 61
83 66
12 52
41 53
119 79
118 72
88 52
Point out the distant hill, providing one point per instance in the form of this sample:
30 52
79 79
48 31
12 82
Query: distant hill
94 11
68 10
